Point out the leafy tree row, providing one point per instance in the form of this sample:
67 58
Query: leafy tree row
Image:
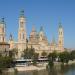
5 62
63 57
29 53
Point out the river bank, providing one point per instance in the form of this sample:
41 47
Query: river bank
31 67
38 67
66 70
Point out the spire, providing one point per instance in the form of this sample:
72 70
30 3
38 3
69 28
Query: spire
2 21
11 37
41 28
60 24
42 31
22 13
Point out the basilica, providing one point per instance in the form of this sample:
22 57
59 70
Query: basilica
37 40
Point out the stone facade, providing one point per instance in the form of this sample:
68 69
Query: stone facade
4 46
21 34
37 40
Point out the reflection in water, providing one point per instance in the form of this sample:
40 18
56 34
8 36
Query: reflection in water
56 70
62 70
35 73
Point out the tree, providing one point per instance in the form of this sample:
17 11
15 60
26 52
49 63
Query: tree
35 58
64 57
5 62
13 52
72 55
52 56
44 54
28 53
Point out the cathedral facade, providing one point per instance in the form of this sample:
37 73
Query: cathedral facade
37 40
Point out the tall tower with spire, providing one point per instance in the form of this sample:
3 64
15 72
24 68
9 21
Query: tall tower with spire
60 38
21 34
2 30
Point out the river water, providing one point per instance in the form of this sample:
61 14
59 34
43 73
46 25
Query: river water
62 70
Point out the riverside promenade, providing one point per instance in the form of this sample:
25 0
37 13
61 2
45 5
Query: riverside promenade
31 67
39 66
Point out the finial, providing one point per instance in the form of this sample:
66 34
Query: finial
41 28
11 38
60 24
22 13
2 21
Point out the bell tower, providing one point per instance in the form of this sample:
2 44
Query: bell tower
21 34
2 30
60 38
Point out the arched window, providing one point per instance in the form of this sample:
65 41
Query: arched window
59 42
2 29
3 39
23 36
20 35
21 24
61 33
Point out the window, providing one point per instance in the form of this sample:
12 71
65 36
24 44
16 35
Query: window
21 24
3 30
60 42
3 39
61 33
23 36
20 35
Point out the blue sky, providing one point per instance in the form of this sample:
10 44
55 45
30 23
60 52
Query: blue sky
44 13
